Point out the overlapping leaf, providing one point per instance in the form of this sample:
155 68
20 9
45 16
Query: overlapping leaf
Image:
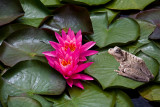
25 44
88 2
152 16
32 77
151 92
122 31
9 11
128 4
69 16
35 12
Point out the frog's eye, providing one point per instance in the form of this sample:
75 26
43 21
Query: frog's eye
118 50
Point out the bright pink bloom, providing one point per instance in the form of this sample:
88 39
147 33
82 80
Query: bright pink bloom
72 42
69 56
68 65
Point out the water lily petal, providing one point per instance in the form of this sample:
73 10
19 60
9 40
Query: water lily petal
89 53
54 44
78 84
59 38
81 76
50 53
64 34
82 67
87 46
69 82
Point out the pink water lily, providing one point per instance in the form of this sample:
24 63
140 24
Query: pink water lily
73 42
69 56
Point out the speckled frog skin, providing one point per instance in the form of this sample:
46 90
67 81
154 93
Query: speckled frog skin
131 66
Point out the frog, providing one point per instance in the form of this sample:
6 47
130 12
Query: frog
131 66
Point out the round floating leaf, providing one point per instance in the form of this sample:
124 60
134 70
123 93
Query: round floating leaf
128 4
88 2
9 11
152 50
158 77
110 13
9 29
91 96
25 44
69 16
145 30
151 92
152 16
121 31
105 64
22 102
35 77
35 12
51 2
122 99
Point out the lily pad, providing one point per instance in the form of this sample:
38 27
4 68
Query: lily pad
69 16
128 4
88 2
152 16
51 2
145 30
91 96
7 30
33 77
110 13
22 102
35 12
151 92
105 64
122 99
152 50
122 31
9 11
25 44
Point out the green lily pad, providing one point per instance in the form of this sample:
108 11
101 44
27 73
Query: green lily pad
51 2
110 13
122 99
35 12
152 50
32 77
122 31
69 16
9 11
105 64
35 77
145 30
22 102
153 16
7 30
25 44
91 96
151 92
88 2
128 4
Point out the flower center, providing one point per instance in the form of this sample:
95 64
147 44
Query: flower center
71 46
65 63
